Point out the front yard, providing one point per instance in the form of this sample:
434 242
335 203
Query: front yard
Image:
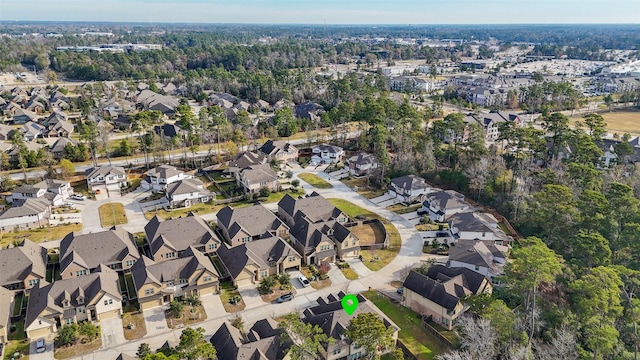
112 214
231 298
77 349
187 318
39 235
17 346
418 340
315 181
134 326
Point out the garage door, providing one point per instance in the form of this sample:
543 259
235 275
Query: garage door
109 314
208 290
38 333
243 282
150 304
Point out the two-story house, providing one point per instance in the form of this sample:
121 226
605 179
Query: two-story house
241 225
280 150
158 283
323 241
263 341
187 192
111 177
170 238
25 192
26 214
439 293
477 226
61 188
159 177
23 267
483 257
251 262
94 297
82 254
246 159
6 310
409 189
441 204
313 206
329 316
255 177
326 154
362 164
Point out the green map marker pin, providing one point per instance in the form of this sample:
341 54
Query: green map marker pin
349 303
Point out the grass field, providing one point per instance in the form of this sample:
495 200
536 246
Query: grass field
420 342
112 214
368 234
315 181
620 122
39 235
350 274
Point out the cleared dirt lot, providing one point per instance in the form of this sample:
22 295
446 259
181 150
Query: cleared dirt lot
368 234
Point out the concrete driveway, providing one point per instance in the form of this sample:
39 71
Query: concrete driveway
212 306
251 296
112 332
48 352
155 321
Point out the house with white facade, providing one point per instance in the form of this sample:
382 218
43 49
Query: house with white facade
444 203
30 214
255 177
326 154
111 177
159 178
477 226
187 192
409 189
362 164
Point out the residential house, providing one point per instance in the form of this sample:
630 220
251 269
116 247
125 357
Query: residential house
482 257
29 214
58 128
252 261
362 164
490 123
261 105
315 207
441 204
187 192
58 147
23 267
32 131
308 110
35 105
5 132
11 109
123 123
323 241
6 310
111 177
330 316
169 131
280 151
477 226
150 100
242 225
246 159
440 292
81 255
264 341
25 192
94 297
170 238
159 283
326 154
60 188
409 189
158 178
22 116
255 177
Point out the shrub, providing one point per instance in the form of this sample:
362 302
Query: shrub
266 284
89 330
67 335
176 307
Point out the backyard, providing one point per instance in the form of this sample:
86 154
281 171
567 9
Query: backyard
39 235
112 214
418 340
315 181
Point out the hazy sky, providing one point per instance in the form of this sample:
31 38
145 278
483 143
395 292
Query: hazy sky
327 11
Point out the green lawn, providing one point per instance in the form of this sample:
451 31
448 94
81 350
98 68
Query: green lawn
17 304
131 289
21 346
112 214
315 181
350 274
402 209
420 342
373 259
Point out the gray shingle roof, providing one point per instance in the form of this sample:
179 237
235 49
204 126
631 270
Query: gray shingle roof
262 253
28 207
104 171
314 206
479 253
18 262
271 147
146 271
255 220
262 344
257 174
188 231
447 199
187 186
445 286
164 171
363 159
248 158
410 182
97 248
6 297
52 295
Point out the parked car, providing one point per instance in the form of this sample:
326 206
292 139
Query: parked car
97 191
69 205
285 297
400 290
442 234
304 281
422 211
78 197
40 345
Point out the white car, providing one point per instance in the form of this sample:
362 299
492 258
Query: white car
40 345
78 197
304 281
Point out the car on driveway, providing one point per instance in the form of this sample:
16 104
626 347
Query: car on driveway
285 298
442 234
422 211
40 345
304 281
78 197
